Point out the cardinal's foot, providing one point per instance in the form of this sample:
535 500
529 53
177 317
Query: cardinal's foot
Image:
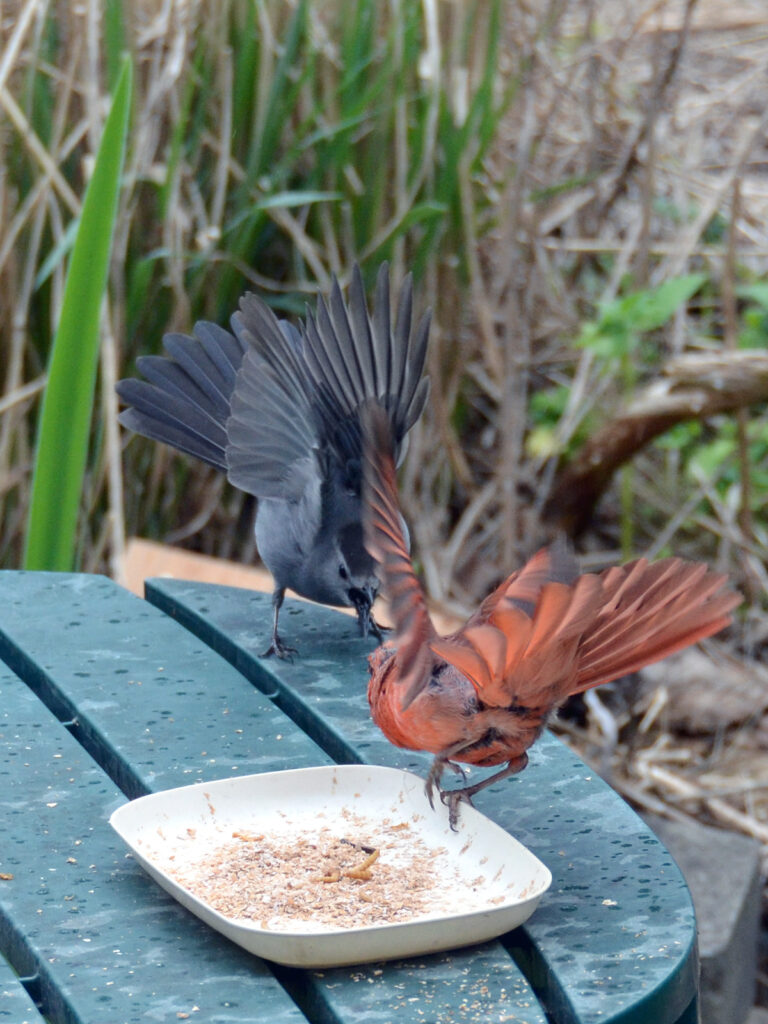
452 798
432 781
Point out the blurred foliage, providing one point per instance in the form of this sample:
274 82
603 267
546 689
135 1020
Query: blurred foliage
274 142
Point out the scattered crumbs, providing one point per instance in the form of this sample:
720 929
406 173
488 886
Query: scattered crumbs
371 874
191 832
5 877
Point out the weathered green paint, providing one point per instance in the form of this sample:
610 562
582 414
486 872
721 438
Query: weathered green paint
105 942
155 705
16 1004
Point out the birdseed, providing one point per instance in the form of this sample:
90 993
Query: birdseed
321 880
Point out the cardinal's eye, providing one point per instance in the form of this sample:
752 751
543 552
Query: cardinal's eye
343 572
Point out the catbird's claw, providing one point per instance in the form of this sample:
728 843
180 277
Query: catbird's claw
377 630
279 649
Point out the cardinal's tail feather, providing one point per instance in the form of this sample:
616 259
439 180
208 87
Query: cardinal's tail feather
651 611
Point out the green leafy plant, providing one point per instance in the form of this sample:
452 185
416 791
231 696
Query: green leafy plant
615 336
65 419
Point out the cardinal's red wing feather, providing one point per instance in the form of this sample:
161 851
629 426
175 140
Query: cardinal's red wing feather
521 643
552 564
649 612
385 540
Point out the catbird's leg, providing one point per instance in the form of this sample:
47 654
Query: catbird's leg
453 797
277 646
372 626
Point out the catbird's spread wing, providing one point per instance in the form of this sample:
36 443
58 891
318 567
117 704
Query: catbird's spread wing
278 408
302 392
185 399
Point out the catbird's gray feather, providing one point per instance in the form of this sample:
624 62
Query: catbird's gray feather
278 407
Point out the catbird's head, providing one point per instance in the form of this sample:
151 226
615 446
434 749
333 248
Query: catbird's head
354 571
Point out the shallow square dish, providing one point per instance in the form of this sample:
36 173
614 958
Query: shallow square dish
491 883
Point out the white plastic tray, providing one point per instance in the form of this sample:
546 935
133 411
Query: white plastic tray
494 882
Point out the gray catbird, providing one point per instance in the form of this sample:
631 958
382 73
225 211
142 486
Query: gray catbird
278 408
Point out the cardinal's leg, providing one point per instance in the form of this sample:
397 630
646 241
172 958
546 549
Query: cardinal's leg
440 763
453 797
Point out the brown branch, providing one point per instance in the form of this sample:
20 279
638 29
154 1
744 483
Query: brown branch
693 387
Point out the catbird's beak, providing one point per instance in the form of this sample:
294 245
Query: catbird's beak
362 598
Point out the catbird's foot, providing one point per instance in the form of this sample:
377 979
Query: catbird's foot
279 649
367 623
377 630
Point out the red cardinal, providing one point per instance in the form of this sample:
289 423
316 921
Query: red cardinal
483 695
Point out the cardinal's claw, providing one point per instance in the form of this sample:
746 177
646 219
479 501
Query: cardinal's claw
452 798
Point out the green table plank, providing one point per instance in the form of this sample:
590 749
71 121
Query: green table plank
614 939
105 942
110 635
149 701
16 1006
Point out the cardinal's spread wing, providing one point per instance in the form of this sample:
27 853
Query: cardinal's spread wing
385 540
648 611
519 647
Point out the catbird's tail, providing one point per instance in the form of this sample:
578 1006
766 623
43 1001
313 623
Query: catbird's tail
186 397
648 611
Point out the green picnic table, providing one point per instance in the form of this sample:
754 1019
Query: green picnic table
106 697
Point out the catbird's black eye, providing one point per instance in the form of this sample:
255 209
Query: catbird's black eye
343 572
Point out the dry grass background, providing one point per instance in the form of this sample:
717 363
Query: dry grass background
632 150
